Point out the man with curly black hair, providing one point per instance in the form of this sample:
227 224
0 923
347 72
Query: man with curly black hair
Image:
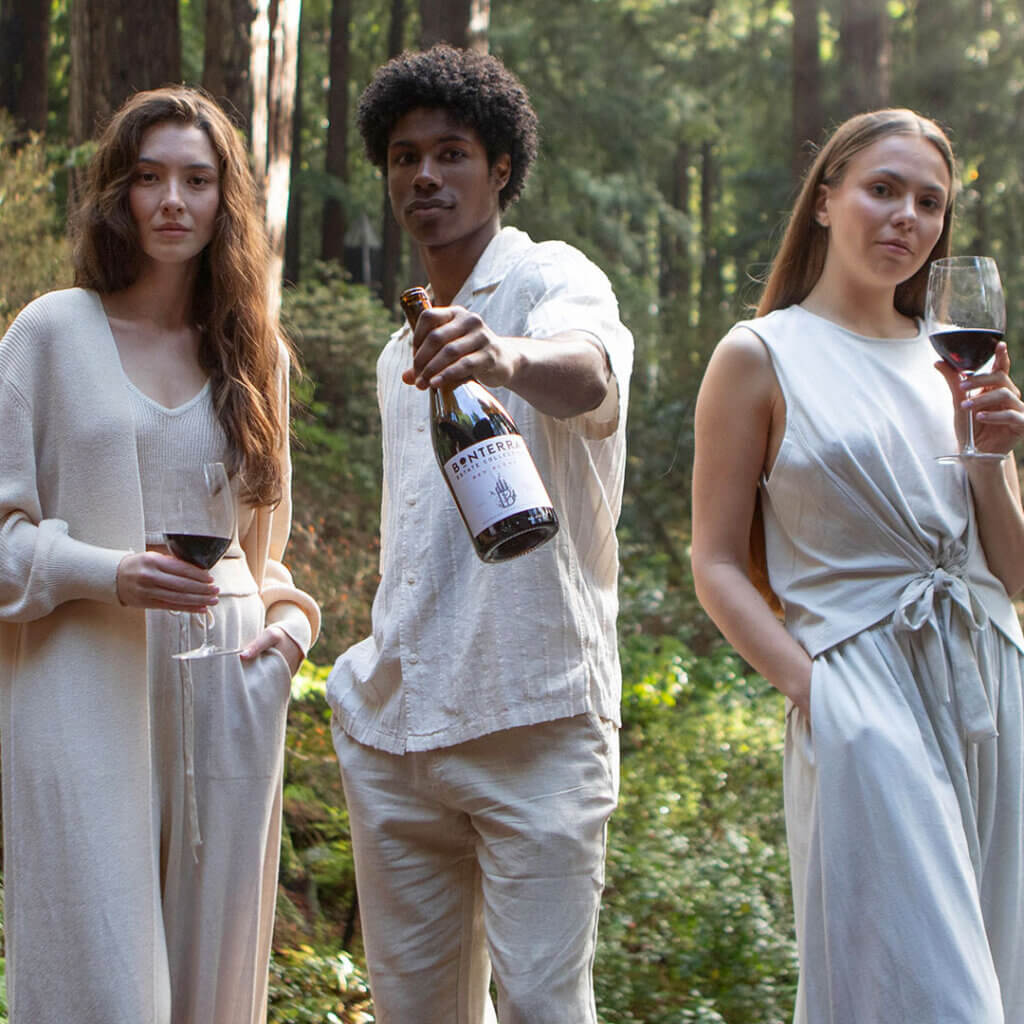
477 728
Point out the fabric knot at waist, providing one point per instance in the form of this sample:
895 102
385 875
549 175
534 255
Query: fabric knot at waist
939 610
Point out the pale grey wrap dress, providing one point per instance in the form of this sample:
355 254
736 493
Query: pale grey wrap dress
905 791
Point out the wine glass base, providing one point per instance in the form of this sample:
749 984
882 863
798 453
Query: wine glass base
206 651
949 460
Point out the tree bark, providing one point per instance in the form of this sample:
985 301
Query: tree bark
711 260
227 56
676 269
332 244
275 40
391 234
24 48
293 231
866 56
808 116
462 23
117 48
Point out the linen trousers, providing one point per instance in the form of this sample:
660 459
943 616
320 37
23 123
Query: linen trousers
487 854
906 839
158 907
218 739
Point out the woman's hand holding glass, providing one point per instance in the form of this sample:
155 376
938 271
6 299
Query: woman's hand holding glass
994 400
155 579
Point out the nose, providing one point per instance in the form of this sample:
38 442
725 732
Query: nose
427 174
171 199
906 212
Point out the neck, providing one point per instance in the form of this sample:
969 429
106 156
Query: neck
861 308
448 266
160 294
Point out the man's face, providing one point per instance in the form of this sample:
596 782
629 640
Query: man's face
442 190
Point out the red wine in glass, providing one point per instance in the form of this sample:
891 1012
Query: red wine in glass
198 548
965 349
965 316
198 509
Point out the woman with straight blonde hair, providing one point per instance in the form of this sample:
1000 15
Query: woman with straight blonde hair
141 793
816 490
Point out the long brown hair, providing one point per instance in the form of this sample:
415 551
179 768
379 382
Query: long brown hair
238 338
801 256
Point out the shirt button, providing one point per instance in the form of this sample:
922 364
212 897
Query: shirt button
414 659
410 501
410 580
420 427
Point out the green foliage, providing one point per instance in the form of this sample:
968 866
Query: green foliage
340 330
33 256
316 900
696 917
307 987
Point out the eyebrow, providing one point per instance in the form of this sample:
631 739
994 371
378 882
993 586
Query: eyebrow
902 179
450 137
199 165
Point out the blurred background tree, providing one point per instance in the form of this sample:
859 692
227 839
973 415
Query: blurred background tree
674 134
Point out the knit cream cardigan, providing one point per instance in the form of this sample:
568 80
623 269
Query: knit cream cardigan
74 705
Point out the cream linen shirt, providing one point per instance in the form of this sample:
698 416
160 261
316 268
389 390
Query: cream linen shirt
459 648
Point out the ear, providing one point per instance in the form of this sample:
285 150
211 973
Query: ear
501 170
821 205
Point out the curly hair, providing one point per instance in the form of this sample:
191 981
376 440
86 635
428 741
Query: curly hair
239 340
476 89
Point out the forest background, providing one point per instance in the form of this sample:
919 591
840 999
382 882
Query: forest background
674 134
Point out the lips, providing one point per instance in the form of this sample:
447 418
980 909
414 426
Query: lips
424 205
172 229
895 243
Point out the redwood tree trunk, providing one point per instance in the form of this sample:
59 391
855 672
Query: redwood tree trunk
275 42
866 51
117 48
332 245
24 47
463 23
391 234
808 117
227 56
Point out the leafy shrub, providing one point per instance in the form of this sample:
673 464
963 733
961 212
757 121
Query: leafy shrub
307 987
340 330
34 255
696 919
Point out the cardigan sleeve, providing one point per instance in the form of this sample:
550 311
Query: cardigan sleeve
288 607
40 565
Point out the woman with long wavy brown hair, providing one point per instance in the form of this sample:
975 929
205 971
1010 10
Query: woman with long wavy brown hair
900 656
142 793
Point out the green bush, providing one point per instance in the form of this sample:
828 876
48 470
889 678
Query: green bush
34 256
307 987
340 329
696 918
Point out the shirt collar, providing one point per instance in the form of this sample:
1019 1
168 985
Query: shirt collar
502 253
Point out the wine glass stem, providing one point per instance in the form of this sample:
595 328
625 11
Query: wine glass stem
204 618
970 428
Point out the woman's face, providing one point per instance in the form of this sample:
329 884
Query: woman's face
175 192
886 214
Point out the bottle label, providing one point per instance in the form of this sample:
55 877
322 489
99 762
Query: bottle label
494 479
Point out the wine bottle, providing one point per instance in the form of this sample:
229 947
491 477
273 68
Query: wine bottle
486 464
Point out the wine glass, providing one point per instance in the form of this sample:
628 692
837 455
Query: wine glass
199 523
965 315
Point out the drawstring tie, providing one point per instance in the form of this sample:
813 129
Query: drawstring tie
941 610
188 734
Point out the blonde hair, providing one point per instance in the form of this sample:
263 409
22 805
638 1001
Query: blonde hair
239 341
